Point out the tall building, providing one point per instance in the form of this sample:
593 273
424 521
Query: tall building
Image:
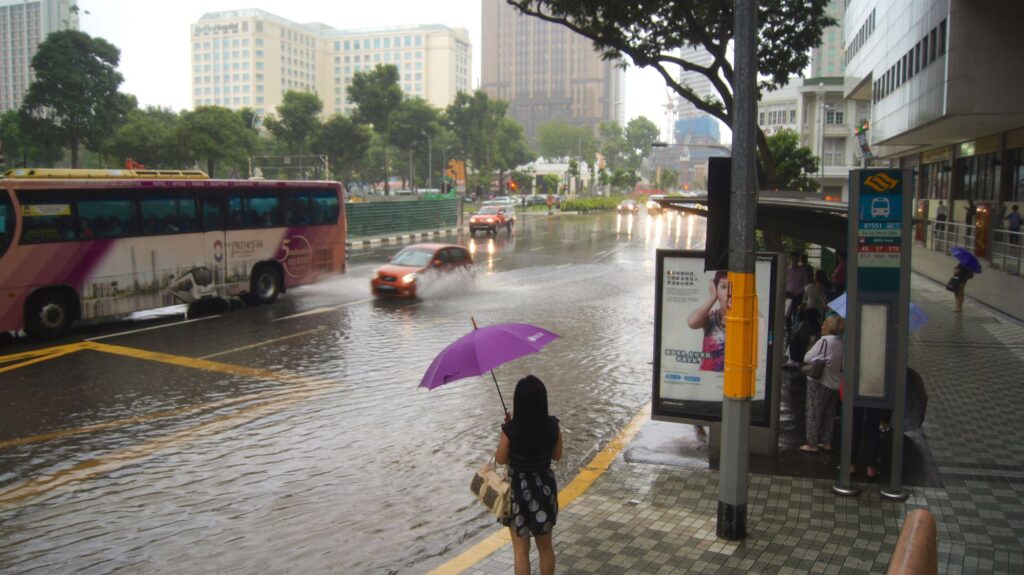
546 72
23 25
251 58
827 59
697 82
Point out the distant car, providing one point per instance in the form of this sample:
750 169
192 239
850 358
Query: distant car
501 201
653 207
537 200
628 207
404 272
491 218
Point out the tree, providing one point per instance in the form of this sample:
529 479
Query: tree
414 124
512 151
667 179
377 95
651 33
558 140
345 143
297 120
76 89
640 134
793 163
25 144
214 133
475 119
147 136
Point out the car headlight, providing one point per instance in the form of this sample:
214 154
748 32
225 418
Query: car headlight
409 278
376 275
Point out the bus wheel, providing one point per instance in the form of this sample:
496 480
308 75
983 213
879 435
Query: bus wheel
47 315
266 285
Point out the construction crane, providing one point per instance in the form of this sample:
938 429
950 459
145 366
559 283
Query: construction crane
670 107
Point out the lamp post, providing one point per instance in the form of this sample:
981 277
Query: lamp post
430 161
825 108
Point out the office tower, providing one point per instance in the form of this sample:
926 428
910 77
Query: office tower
23 25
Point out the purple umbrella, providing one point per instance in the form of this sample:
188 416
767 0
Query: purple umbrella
482 350
966 258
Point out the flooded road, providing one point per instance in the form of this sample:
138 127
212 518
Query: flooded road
293 437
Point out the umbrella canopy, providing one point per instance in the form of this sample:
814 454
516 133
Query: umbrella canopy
483 349
917 316
966 258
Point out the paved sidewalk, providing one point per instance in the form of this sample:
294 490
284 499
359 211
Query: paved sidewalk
648 518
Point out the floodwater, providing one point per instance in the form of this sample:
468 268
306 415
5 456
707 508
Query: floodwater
293 437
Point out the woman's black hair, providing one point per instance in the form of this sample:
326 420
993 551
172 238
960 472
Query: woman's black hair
530 404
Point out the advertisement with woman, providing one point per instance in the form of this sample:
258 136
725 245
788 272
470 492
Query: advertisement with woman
690 336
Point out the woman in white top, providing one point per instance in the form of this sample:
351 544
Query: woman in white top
822 393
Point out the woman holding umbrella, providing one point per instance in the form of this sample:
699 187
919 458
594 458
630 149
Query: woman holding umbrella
530 440
961 274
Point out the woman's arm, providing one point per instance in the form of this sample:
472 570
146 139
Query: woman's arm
556 453
815 351
501 455
699 316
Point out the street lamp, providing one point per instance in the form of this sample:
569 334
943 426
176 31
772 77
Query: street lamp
825 108
430 161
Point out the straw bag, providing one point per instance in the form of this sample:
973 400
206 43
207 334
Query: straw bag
816 369
492 489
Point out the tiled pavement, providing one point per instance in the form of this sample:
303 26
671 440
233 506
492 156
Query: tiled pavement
645 518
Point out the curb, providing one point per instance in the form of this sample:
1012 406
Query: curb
398 239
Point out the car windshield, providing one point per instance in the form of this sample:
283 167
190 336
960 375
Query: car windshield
413 257
488 211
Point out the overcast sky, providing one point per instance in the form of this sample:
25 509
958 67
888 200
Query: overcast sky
155 46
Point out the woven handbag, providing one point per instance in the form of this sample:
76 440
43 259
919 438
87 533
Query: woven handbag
816 369
492 489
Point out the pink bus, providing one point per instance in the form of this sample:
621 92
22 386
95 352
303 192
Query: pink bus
85 244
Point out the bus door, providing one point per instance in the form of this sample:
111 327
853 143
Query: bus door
214 215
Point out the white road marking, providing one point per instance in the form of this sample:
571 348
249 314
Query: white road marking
151 328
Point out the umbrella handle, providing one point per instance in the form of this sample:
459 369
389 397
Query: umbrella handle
504 409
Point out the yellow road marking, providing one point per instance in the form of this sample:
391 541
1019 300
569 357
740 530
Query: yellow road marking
37 352
583 480
183 361
52 353
262 343
118 459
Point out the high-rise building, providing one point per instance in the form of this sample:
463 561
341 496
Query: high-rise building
23 25
546 72
827 58
699 83
251 58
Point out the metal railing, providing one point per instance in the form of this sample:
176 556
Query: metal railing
1007 249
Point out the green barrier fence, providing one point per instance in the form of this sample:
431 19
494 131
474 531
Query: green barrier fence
384 218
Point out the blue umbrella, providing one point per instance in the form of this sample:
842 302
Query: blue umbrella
917 316
966 258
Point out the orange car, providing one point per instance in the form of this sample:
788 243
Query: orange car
492 218
404 271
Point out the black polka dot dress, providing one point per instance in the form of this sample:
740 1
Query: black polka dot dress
534 490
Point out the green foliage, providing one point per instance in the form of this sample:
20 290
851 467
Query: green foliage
795 165
592 204
668 179
297 120
558 140
345 144
652 32
377 95
475 119
147 136
76 89
214 134
26 144
512 150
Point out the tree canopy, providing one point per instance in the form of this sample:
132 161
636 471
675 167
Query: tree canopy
795 165
651 33
297 120
76 89
214 134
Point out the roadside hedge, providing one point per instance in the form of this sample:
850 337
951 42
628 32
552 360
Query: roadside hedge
592 204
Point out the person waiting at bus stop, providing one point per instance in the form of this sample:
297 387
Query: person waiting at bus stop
822 393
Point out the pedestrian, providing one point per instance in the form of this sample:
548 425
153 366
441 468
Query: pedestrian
795 282
972 211
959 282
808 269
530 440
1013 221
838 277
814 293
941 215
822 393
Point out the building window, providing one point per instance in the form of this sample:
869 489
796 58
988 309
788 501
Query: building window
942 37
1015 191
835 149
935 180
977 179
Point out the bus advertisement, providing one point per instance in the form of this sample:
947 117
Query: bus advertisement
88 244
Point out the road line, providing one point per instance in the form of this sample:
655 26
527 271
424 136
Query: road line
583 481
177 323
132 455
59 351
563 266
262 343
536 249
606 254
320 310
37 352
183 361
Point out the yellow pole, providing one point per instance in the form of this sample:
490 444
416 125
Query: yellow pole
741 327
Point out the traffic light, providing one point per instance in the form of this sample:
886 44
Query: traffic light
512 185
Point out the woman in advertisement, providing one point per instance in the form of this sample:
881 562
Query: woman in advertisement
711 318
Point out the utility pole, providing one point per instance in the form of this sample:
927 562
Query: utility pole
741 318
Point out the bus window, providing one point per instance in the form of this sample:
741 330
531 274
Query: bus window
236 212
105 214
46 216
6 221
212 212
263 210
167 213
325 207
299 213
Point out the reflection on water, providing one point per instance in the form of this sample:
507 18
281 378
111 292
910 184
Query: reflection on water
367 473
